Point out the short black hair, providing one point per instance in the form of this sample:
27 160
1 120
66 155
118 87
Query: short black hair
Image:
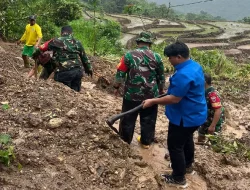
177 48
67 29
208 78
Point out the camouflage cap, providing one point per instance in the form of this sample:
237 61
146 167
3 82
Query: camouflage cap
145 36
32 17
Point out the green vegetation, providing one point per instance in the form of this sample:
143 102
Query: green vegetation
227 145
50 14
203 16
6 150
213 62
107 36
219 66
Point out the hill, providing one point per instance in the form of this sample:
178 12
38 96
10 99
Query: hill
229 9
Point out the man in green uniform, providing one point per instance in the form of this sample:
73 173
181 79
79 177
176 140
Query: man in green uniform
215 116
69 58
143 72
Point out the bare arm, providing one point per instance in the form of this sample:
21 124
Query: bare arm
169 99
216 118
38 42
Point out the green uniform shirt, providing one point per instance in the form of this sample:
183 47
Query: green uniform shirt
143 72
68 52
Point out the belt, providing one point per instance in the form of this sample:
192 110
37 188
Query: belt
60 68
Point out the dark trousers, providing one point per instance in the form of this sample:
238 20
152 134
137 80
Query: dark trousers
181 149
72 78
148 118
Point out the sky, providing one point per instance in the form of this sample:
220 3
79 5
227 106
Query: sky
229 9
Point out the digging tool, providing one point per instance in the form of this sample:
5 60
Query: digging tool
114 118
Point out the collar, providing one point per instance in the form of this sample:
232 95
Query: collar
66 35
143 48
183 64
209 89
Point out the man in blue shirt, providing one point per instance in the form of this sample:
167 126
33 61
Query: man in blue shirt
186 110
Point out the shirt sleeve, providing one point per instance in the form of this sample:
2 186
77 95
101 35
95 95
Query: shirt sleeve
121 71
214 100
45 46
160 72
180 84
39 31
24 35
84 59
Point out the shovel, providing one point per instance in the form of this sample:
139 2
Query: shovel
114 118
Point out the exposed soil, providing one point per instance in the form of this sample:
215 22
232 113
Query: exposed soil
62 141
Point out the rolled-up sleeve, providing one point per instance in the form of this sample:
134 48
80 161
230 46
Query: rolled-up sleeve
121 71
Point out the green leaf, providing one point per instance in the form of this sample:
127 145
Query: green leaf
19 166
235 145
4 138
5 106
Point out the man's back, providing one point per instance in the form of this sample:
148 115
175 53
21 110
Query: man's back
66 51
145 72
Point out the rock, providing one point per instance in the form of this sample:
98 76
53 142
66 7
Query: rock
34 119
72 113
19 58
142 164
142 179
92 169
55 123
88 85
93 136
18 141
2 81
2 50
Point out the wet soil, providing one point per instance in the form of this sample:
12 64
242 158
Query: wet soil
62 141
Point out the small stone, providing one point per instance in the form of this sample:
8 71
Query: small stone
72 113
93 136
34 119
55 122
141 164
92 169
19 141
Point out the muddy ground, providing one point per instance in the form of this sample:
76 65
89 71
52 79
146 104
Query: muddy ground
62 141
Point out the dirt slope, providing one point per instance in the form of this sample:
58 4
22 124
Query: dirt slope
78 150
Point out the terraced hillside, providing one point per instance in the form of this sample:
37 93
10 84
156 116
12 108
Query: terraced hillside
231 37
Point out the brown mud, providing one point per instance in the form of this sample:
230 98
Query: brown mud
62 141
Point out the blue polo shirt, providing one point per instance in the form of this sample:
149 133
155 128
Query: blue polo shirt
187 82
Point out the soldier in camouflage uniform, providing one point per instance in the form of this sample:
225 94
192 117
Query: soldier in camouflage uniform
143 72
215 116
69 57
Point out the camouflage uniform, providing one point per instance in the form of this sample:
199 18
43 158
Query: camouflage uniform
143 73
69 59
213 102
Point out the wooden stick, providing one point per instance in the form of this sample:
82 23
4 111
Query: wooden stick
13 66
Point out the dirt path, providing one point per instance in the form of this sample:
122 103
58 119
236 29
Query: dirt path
154 156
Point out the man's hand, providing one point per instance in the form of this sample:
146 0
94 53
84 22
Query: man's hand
211 129
18 42
148 103
161 92
116 92
89 72
36 46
